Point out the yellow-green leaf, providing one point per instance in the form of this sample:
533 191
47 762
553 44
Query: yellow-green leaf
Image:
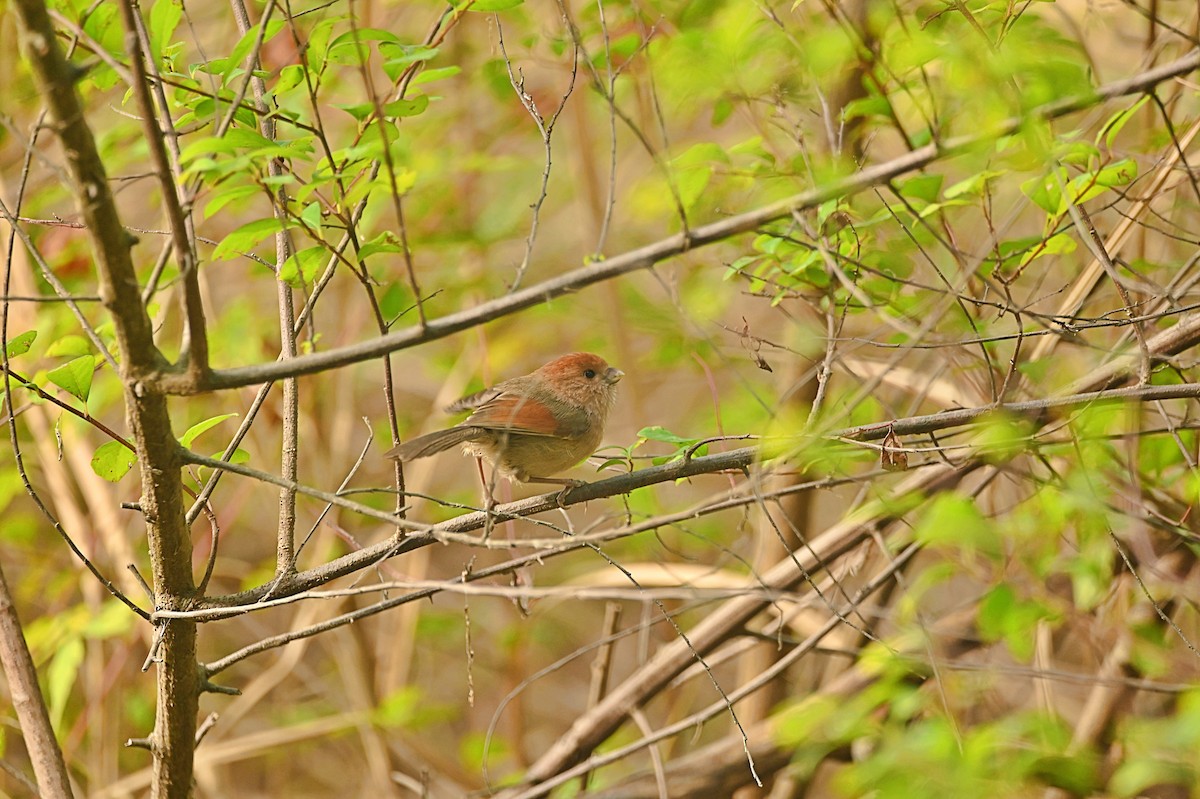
113 460
69 346
19 345
200 427
75 377
61 676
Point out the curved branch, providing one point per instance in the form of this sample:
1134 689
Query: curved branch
942 420
648 256
451 529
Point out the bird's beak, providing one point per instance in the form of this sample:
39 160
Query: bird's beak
613 375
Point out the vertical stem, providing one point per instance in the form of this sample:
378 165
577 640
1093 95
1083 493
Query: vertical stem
44 752
195 340
285 542
178 694
285 538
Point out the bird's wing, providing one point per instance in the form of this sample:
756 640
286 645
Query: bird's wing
473 401
509 412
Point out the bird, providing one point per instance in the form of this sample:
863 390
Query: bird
534 426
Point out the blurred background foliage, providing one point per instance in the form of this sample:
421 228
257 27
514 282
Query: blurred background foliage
982 659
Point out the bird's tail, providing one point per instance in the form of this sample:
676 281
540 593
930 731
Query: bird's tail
432 443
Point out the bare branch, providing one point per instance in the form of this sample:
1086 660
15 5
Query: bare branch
645 257
44 752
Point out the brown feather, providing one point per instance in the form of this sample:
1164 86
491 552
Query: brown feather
512 413
437 441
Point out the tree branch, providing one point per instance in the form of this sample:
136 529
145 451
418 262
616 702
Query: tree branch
740 459
648 256
44 752
195 345
146 407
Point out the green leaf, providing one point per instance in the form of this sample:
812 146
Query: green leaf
691 184
290 77
1004 616
164 18
972 185
1078 152
1091 572
1117 121
19 345
75 377
69 346
300 269
1044 192
246 139
954 521
246 44
274 182
112 460
387 241
430 75
359 111
722 110
682 445
494 5
311 216
396 108
1076 774
401 56
1002 437
996 607
1120 173
399 708
205 148
364 35
238 456
226 196
195 430
870 106
352 47
658 433
247 237
1058 244
701 154
61 676
922 187
112 620
1092 184
1133 776
693 169
395 300
104 26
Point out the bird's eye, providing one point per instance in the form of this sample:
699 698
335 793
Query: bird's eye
589 373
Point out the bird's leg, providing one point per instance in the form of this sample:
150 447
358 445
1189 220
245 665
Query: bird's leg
489 499
566 482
